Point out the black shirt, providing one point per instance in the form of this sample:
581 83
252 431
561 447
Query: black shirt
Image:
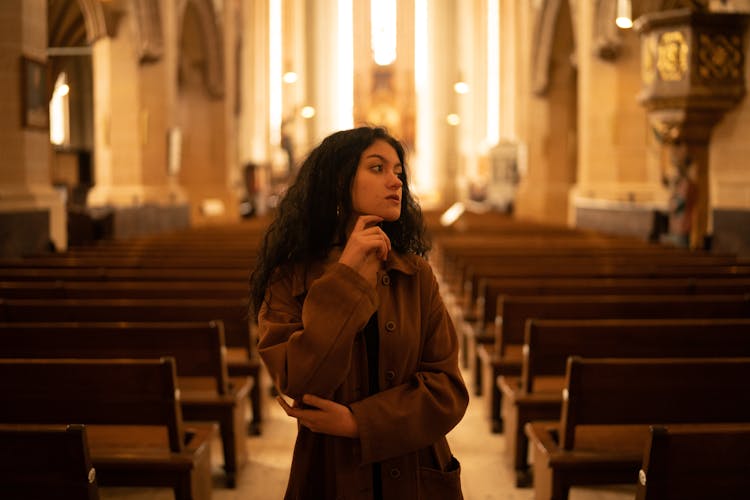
372 343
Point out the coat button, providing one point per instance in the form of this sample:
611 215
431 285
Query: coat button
385 280
390 375
395 473
390 326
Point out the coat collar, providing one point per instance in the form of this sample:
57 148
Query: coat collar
301 280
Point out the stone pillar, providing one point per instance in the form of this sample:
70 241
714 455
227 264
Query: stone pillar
32 213
693 71
133 112
550 129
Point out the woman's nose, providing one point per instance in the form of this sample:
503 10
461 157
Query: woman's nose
395 180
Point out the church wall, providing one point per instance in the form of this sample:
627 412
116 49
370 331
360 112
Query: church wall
32 213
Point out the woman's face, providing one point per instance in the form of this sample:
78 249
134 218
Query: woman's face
376 189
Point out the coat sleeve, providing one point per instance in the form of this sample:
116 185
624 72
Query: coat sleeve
422 410
307 345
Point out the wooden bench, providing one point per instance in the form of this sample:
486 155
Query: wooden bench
208 394
124 273
608 405
132 413
176 260
537 393
695 462
482 331
46 461
242 358
505 356
59 289
642 268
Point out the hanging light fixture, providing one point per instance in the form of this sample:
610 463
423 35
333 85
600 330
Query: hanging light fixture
460 87
624 19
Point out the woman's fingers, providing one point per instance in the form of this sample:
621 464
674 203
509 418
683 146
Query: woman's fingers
323 415
365 221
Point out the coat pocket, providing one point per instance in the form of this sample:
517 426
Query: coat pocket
435 484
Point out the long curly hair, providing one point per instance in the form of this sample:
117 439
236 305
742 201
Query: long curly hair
313 214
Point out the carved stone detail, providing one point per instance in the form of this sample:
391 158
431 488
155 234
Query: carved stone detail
213 41
147 18
672 56
720 57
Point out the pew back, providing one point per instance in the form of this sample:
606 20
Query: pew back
694 462
549 343
611 391
106 392
197 347
46 461
515 310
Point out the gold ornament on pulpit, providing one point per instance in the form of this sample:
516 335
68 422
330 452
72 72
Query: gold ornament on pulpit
692 68
672 56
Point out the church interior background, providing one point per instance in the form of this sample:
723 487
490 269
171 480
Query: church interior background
129 117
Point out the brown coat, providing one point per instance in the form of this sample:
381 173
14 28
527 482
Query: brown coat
311 340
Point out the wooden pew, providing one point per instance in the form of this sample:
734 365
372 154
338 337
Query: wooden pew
177 261
207 392
242 357
123 289
132 413
505 356
537 393
637 268
46 461
608 405
123 273
695 462
482 331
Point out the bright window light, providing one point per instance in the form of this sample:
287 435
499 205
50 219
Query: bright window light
383 31
274 72
493 72
345 73
59 112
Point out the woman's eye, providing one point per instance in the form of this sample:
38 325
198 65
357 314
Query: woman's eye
377 168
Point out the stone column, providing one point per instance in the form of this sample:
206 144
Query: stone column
32 213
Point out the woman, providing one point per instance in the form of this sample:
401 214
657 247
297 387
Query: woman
353 329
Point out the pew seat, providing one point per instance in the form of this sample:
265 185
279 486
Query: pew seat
207 391
131 408
537 393
608 406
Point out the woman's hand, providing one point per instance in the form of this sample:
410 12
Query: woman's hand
367 247
325 416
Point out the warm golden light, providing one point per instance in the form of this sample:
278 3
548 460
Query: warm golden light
307 112
624 18
453 119
290 77
383 31
461 87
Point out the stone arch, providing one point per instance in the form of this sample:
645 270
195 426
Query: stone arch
212 40
101 19
543 41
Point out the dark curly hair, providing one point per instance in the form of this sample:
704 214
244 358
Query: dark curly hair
312 216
